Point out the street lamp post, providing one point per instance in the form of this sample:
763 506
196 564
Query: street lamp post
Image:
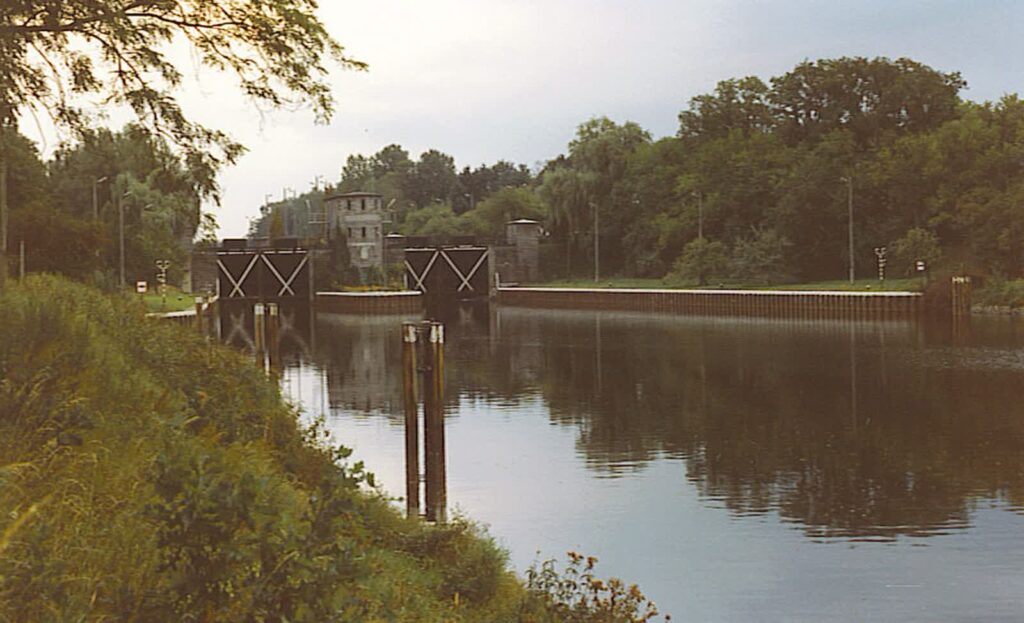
120 232
95 202
597 244
849 207
700 214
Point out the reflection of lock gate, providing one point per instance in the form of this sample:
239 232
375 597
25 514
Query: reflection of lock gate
263 274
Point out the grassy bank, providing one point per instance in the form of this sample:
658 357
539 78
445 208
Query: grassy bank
861 285
176 300
1001 293
148 475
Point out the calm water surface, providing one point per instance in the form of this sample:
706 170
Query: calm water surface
736 469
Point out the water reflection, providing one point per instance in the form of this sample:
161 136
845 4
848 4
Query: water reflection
847 430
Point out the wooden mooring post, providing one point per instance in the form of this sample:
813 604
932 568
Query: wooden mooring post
412 435
274 337
960 293
429 336
259 333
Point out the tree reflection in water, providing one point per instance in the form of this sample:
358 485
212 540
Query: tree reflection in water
851 430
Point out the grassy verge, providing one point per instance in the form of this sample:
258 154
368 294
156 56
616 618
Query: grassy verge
861 285
147 475
1001 293
176 300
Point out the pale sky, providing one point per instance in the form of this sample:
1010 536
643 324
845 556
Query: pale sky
485 80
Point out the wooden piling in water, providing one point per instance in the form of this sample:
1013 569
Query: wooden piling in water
412 435
273 338
259 333
433 425
960 293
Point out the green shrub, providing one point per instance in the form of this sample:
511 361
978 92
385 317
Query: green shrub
576 595
147 474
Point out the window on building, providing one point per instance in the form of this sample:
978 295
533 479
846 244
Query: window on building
364 232
363 203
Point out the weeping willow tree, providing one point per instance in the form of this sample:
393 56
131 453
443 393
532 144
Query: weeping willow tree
60 58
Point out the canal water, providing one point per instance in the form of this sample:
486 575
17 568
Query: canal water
737 469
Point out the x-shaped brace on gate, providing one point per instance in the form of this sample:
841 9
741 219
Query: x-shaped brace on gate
286 284
421 277
472 271
236 285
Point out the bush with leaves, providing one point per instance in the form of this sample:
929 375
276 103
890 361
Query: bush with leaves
146 474
701 260
915 245
576 595
761 258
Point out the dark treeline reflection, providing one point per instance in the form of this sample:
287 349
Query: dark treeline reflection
852 430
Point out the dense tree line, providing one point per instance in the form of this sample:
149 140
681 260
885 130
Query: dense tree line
753 188
762 171
426 196
66 212
755 185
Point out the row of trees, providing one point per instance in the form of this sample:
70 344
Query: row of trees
752 185
426 196
67 211
755 185
63 60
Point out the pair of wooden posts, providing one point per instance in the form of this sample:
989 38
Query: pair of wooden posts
428 362
266 331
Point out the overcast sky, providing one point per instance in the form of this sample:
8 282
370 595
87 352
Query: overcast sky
485 80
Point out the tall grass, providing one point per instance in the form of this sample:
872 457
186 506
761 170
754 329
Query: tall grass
147 475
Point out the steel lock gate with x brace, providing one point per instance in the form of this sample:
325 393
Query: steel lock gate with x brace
457 268
262 274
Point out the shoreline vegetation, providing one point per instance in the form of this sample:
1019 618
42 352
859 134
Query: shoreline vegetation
147 474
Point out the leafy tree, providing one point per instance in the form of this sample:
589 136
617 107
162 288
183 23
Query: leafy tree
56 55
868 97
737 105
917 244
357 174
701 260
437 219
761 257
477 184
392 159
432 179
566 192
490 216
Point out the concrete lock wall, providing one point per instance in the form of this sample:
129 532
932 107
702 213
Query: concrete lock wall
370 302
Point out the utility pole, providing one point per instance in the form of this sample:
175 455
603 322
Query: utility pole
597 244
95 201
120 229
849 207
700 214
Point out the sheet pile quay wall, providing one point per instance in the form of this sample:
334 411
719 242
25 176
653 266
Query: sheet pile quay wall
765 303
